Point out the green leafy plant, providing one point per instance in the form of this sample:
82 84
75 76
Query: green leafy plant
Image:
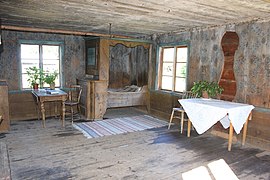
35 75
50 77
212 88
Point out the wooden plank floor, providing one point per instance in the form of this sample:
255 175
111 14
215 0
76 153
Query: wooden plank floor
64 153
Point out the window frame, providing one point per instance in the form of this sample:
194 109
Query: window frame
159 65
40 43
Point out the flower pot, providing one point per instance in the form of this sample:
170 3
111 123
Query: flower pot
52 85
35 86
205 94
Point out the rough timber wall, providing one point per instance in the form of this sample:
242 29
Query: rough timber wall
128 66
251 68
205 62
73 57
21 102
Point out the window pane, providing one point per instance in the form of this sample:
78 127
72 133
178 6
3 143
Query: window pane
166 82
25 83
167 69
25 66
182 54
168 54
29 51
50 52
50 65
181 70
180 84
50 61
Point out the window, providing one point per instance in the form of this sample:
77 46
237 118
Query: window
173 68
42 56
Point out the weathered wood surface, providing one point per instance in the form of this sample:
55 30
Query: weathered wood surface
123 99
251 70
22 107
128 66
73 63
4 106
57 153
134 17
4 162
94 98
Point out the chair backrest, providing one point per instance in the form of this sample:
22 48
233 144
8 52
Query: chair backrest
188 95
74 93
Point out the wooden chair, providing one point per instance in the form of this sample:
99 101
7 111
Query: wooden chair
185 95
74 96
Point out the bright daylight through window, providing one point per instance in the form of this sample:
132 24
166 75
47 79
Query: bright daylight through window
173 67
45 57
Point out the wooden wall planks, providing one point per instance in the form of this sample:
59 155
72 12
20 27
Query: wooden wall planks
251 68
128 66
4 107
134 18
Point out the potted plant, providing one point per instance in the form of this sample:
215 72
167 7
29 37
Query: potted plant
50 79
35 76
206 89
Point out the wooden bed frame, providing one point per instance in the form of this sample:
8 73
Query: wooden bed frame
123 98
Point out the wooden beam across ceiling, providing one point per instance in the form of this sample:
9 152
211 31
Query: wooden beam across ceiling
57 31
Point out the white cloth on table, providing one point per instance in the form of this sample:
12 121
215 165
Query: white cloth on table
204 113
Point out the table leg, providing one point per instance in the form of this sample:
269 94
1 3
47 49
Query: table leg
63 113
230 137
245 130
43 113
189 127
55 110
182 121
38 110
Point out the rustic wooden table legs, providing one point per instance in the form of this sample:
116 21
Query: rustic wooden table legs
245 129
244 133
230 137
43 113
63 113
189 127
230 132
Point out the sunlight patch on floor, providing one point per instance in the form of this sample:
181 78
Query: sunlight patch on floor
217 170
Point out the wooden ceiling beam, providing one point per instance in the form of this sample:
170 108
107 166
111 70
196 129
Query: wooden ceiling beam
56 31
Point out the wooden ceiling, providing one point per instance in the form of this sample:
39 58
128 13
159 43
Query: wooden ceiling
128 17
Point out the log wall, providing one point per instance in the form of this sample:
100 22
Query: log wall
251 68
73 66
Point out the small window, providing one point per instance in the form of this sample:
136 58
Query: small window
42 56
173 68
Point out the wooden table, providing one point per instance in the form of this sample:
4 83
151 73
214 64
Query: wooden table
42 95
204 113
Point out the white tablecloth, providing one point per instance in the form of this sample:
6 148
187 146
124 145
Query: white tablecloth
204 113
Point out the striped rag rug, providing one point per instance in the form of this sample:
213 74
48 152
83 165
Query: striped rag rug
118 125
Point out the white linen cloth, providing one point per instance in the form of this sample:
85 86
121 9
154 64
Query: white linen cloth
204 113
